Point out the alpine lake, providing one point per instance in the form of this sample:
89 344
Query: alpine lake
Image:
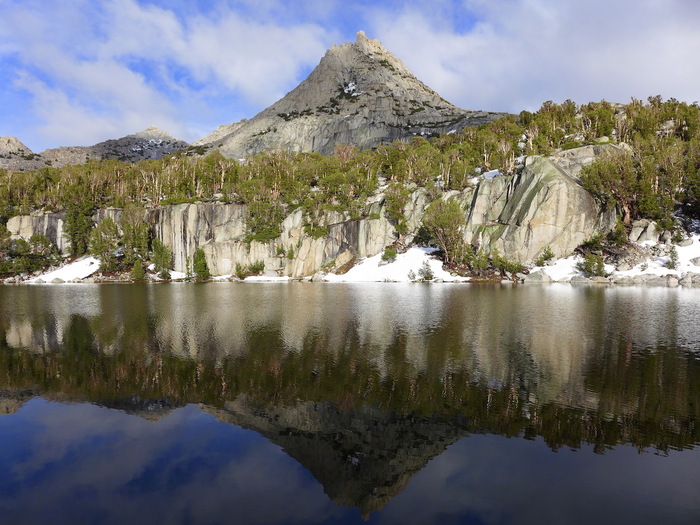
312 403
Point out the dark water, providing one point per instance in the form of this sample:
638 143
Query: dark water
334 403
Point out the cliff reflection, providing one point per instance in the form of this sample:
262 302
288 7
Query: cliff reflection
573 365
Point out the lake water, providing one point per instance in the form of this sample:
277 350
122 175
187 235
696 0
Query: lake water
338 403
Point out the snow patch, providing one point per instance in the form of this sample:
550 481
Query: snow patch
80 269
370 270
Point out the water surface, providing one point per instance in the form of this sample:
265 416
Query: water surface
326 403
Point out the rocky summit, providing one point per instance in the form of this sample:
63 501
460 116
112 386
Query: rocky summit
359 94
151 143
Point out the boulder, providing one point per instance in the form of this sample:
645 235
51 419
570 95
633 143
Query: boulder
579 279
644 230
537 277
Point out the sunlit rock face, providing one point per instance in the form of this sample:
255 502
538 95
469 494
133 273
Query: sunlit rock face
543 206
359 94
520 215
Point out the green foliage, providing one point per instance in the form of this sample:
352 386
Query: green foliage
290 253
315 230
78 226
162 259
425 272
444 220
104 243
546 255
135 237
199 265
672 262
591 265
263 221
618 236
20 256
389 254
476 259
256 268
659 171
396 199
504 265
137 272
594 244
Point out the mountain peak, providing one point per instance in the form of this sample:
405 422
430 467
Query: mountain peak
359 94
153 132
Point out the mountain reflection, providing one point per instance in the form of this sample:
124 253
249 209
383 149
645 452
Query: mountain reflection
365 384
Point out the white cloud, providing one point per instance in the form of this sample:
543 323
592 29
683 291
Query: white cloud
125 66
97 70
523 52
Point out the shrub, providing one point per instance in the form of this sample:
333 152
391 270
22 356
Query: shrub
162 258
137 272
546 255
618 236
591 265
396 198
444 219
263 221
199 264
78 226
104 242
672 262
504 265
594 244
255 268
425 272
389 254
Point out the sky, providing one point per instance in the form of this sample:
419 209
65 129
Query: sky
77 72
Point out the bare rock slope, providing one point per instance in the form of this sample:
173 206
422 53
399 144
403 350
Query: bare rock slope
359 94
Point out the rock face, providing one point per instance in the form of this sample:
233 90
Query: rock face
40 223
359 94
543 206
219 229
152 143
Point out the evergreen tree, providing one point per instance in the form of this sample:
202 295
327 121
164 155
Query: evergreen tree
201 269
78 227
162 258
104 242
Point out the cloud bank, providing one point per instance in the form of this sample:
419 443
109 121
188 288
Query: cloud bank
77 72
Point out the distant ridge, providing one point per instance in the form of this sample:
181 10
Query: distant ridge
151 143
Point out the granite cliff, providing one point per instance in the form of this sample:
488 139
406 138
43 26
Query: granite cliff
543 205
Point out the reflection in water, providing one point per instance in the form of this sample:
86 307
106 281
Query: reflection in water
365 385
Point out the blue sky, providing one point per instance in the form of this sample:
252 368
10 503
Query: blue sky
76 72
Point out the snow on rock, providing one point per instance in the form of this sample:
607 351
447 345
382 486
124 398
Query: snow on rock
563 270
79 269
370 270
657 265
